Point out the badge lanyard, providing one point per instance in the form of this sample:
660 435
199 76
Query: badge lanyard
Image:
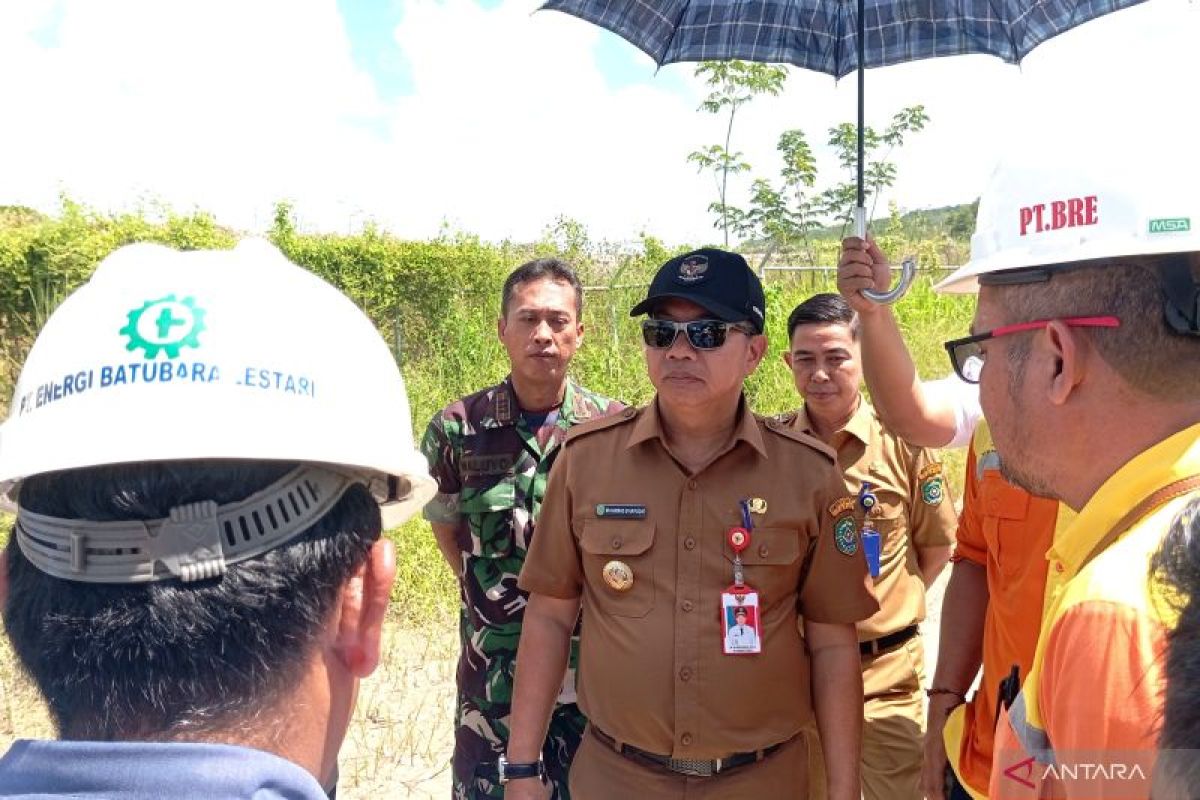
872 544
740 628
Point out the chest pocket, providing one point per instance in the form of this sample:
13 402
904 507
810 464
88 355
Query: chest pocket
628 542
772 562
495 523
1005 511
892 524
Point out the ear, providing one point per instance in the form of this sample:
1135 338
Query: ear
1066 350
579 332
363 608
501 326
787 358
755 352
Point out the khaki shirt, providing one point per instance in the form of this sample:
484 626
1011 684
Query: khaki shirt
651 668
914 510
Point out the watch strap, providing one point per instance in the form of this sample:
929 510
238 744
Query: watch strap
510 771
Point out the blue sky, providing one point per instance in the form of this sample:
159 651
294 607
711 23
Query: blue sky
485 116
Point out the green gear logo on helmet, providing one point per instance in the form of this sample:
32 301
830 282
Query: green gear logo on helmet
164 325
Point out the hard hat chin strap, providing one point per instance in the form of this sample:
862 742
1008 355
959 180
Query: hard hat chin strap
1181 294
196 541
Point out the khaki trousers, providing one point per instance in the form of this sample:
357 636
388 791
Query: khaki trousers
600 773
894 722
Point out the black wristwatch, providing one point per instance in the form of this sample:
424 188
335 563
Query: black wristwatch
531 769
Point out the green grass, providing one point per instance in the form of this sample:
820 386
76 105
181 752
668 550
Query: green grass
425 588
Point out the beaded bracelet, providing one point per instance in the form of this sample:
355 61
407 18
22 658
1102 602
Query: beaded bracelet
962 698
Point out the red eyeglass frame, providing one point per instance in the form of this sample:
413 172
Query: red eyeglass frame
1004 330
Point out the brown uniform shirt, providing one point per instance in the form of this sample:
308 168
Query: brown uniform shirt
651 668
914 510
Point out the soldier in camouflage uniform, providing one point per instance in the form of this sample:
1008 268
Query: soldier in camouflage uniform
490 454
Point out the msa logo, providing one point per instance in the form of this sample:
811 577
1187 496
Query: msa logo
1171 225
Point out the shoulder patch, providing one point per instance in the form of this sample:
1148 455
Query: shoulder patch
930 470
600 423
781 425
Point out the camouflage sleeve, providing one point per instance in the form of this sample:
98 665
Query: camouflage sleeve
442 456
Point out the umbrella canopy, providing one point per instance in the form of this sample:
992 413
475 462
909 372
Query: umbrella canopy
837 37
823 35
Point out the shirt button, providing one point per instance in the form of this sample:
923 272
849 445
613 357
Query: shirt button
692 484
685 740
763 552
689 543
685 674
616 544
1058 567
687 605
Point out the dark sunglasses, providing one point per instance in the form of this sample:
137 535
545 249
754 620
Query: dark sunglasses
966 355
702 334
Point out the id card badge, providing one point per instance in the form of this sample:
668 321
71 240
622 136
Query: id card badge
741 632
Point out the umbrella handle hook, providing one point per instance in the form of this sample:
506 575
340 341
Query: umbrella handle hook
908 271
908 268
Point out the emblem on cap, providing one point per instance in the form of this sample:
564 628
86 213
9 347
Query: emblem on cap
618 576
693 268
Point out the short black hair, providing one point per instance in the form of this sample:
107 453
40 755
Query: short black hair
169 660
554 269
826 308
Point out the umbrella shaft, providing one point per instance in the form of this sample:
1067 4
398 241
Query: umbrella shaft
861 84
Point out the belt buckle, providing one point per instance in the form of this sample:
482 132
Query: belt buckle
697 769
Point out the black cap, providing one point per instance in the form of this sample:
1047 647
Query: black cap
720 282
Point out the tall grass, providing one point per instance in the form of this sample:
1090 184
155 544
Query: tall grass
437 302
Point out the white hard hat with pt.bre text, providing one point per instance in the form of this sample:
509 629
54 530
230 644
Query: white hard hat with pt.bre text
1097 191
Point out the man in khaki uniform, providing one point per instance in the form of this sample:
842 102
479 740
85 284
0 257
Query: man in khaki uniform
896 495
639 526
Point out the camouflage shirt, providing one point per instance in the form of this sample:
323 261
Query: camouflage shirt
491 471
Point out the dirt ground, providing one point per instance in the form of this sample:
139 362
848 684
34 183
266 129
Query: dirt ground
400 740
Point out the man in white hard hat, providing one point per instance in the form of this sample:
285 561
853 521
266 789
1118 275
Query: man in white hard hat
196 580
992 606
1086 347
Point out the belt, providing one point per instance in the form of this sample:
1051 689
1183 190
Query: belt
685 766
877 646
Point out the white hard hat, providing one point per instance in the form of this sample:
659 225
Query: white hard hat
1068 196
235 354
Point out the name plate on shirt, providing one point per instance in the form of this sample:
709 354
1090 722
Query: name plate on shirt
487 465
621 511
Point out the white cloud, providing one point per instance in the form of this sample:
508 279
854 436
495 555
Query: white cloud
228 106
223 105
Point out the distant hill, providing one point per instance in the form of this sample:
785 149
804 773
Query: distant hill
955 222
